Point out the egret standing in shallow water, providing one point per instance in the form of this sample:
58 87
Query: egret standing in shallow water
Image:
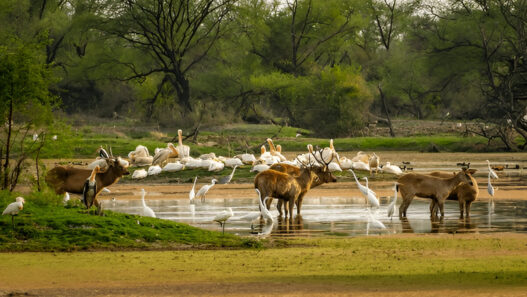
490 190
204 189
371 197
14 208
223 217
373 222
492 173
192 193
392 207
145 210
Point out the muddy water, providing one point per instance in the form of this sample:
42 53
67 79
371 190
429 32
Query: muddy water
338 209
327 216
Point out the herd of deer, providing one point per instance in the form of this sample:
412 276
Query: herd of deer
284 181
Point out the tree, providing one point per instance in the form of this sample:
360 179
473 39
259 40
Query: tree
175 34
26 105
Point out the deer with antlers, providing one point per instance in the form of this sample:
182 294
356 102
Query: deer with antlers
289 184
70 179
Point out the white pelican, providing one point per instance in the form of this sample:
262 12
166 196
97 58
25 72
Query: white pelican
145 210
204 189
260 167
173 167
231 162
216 166
391 169
139 174
183 150
247 159
154 170
161 156
223 217
14 208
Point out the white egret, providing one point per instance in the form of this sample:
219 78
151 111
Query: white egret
66 197
222 218
373 222
490 190
392 207
227 179
492 173
204 189
371 196
14 208
192 193
145 210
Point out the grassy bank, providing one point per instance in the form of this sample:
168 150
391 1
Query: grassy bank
46 224
391 263
236 139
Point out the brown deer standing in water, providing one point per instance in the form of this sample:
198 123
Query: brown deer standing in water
324 176
427 186
465 194
70 179
288 187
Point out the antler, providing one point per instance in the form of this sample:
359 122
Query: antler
321 161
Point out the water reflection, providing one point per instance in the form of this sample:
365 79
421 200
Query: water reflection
336 216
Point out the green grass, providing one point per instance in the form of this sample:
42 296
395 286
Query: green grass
399 263
46 224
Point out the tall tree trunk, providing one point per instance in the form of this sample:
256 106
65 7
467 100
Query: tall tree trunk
383 99
182 87
8 144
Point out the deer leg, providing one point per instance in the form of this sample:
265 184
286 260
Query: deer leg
299 203
279 206
291 207
432 207
99 207
461 208
441 203
467 208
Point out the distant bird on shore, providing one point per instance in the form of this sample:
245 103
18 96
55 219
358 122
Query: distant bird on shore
222 218
14 208
192 193
204 189
227 179
491 172
145 210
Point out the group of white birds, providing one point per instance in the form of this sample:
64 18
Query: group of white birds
140 157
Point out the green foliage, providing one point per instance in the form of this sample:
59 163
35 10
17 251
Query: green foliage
331 101
46 225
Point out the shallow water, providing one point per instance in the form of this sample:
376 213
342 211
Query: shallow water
336 216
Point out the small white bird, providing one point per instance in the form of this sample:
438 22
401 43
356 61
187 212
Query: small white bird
222 218
260 167
139 174
192 193
35 137
106 190
173 167
145 210
227 179
372 198
298 135
492 173
54 137
154 170
392 207
393 169
204 189
66 197
14 208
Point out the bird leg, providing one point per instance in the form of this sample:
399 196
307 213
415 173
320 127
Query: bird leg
13 221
